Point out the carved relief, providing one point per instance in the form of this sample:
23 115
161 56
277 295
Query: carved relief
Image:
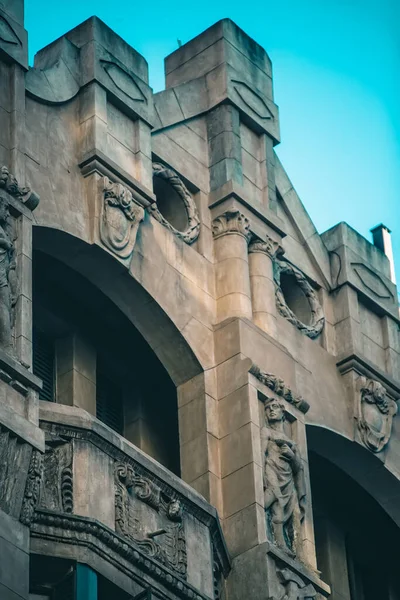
252 100
295 588
230 222
120 219
284 482
8 278
376 415
372 281
278 386
57 489
9 184
191 233
167 542
317 320
267 246
123 81
15 459
32 488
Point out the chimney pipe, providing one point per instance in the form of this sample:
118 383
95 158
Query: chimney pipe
383 240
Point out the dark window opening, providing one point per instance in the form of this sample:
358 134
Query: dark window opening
109 405
44 363
170 204
295 298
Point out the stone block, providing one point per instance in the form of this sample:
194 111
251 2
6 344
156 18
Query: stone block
237 409
242 488
200 456
232 275
196 417
14 568
245 529
199 556
14 38
209 486
240 448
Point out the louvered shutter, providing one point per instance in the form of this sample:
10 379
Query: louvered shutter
44 363
109 407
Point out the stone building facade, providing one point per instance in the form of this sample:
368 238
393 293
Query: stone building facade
198 390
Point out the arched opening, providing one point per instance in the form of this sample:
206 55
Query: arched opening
295 298
91 355
356 540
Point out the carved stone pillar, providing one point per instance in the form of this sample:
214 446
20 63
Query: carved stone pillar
231 232
261 255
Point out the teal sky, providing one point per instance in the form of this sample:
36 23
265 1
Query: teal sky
336 78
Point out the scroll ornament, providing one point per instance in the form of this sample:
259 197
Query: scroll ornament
376 415
120 218
230 222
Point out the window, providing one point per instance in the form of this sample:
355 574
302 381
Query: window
109 407
44 363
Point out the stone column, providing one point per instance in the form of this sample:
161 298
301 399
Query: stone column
231 232
261 255
76 373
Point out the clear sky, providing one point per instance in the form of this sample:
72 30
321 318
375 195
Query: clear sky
336 77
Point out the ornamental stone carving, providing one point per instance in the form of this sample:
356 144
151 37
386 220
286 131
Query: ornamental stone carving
191 232
278 386
283 480
376 415
9 184
139 501
32 488
317 320
230 222
295 588
8 277
57 487
120 219
267 246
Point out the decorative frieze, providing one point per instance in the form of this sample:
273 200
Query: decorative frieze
278 386
167 542
376 412
231 222
317 319
120 218
192 230
283 481
295 588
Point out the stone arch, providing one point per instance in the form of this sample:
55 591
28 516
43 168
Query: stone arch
364 467
115 282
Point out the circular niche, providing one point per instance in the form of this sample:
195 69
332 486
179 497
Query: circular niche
174 207
297 300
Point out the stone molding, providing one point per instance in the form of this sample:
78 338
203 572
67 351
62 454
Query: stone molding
376 413
278 386
314 329
76 530
192 231
9 184
268 246
120 218
32 488
363 366
231 222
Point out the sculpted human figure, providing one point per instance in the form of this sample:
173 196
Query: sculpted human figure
284 485
7 278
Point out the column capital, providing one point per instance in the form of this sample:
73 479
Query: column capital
267 246
231 221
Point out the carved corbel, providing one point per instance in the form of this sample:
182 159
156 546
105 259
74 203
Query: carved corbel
267 246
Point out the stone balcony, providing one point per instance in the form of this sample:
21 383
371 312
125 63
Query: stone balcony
107 504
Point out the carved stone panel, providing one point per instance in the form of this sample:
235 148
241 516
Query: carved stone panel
283 480
376 411
150 519
57 487
294 586
120 219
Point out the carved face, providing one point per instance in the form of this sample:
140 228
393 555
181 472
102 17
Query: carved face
274 411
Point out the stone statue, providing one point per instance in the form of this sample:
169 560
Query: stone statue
284 484
8 280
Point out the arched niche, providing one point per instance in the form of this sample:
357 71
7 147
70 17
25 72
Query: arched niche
142 357
356 518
